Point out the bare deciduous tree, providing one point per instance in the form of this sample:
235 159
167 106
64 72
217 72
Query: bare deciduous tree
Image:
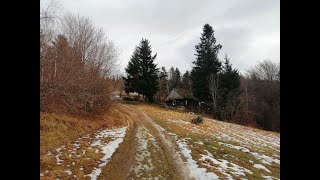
262 94
49 17
75 67
265 70
213 80
90 43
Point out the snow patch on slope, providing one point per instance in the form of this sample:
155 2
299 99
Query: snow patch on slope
107 148
195 170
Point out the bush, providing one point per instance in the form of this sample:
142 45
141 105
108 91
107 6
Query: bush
74 79
197 120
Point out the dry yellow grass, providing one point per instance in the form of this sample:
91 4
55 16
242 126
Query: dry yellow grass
222 139
57 130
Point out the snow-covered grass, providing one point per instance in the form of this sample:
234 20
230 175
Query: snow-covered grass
259 166
57 130
108 148
195 170
225 150
150 161
178 121
223 166
87 155
264 159
143 160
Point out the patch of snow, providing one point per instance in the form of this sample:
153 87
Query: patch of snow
259 166
200 143
94 174
59 161
264 158
268 177
68 171
223 166
243 149
58 149
96 142
143 136
178 121
195 170
76 144
108 148
243 135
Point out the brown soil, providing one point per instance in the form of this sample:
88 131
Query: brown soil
167 162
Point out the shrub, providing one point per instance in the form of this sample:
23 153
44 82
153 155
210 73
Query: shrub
76 68
197 120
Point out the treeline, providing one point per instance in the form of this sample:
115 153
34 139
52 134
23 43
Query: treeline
250 99
261 95
76 63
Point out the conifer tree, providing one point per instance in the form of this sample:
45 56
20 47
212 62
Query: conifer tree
177 79
186 81
229 102
142 72
206 63
133 74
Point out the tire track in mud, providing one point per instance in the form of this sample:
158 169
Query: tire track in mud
147 151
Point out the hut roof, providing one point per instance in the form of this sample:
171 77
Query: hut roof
180 94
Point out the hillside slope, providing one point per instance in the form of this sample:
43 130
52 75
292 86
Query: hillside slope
216 148
162 144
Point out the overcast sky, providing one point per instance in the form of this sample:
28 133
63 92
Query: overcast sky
248 30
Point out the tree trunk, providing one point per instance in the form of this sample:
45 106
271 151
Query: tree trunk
247 108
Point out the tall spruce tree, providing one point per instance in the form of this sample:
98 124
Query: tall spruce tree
142 72
133 72
206 63
229 102
231 77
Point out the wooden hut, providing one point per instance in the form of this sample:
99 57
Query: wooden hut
181 97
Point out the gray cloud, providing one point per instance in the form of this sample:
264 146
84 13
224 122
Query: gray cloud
248 30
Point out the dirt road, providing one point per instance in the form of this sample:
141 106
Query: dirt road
147 151
143 149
